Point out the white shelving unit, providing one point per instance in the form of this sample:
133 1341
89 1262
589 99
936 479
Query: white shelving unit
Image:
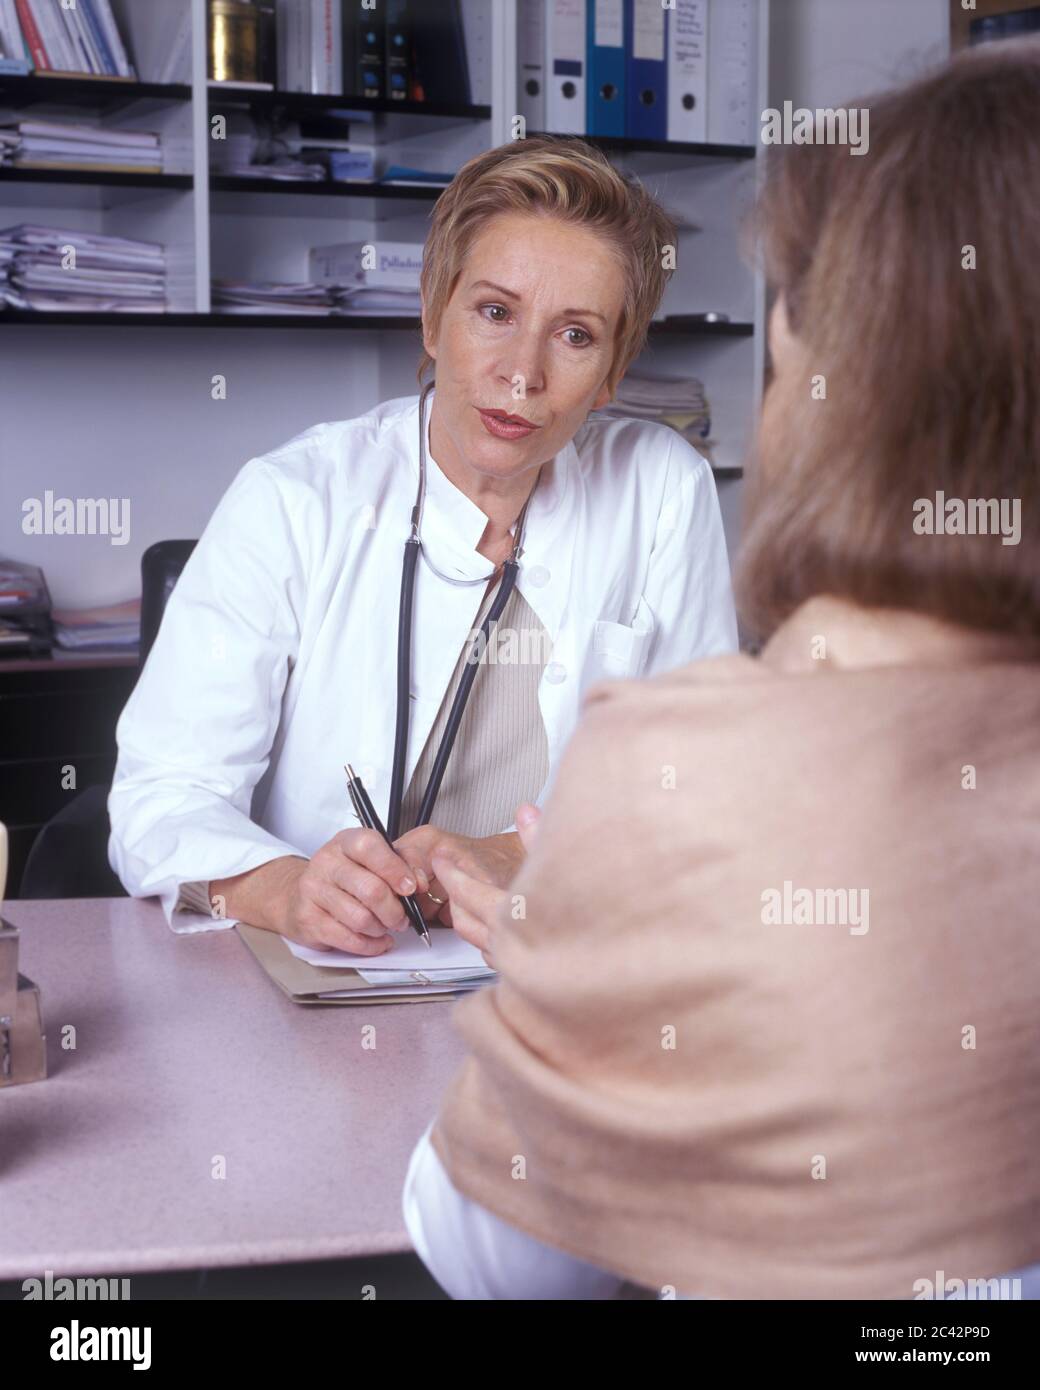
215 227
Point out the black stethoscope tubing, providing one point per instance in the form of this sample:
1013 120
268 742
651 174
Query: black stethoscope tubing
412 550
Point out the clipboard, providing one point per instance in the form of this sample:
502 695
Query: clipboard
304 983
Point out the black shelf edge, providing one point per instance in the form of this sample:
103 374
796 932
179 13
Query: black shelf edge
103 178
332 321
321 101
623 143
729 329
68 318
86 91
328 188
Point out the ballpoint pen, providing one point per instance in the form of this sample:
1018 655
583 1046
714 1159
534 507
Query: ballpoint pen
368 816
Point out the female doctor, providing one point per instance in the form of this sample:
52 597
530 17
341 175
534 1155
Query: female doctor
277 662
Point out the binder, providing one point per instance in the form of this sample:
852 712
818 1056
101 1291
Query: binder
688 71
326 57
565 42
605 101
441 67
294 39
646 77
733 65
398 57
368 52
530 75
476 30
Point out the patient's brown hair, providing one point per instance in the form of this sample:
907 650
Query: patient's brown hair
932 370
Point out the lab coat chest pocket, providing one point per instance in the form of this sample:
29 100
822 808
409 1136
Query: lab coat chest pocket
620 649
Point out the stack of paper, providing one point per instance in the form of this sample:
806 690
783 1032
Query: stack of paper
117 627
408 973
449 966
680 402
25 609
34 144
51 269
379 301
285 169
8 247
265 297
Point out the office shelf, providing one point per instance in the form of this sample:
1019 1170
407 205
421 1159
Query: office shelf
368 322
98 178
322 188
97 92
220 226
304 103
623 144
730 329
215 319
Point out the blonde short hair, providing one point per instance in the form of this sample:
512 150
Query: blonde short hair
566 178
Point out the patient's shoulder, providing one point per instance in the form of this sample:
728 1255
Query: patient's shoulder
661 691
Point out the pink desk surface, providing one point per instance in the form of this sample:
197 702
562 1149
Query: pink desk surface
185 1051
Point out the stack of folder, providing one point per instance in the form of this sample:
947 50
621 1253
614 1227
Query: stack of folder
406 974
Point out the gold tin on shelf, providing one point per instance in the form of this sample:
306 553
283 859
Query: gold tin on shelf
233 41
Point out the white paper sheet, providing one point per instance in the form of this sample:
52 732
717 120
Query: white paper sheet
447 951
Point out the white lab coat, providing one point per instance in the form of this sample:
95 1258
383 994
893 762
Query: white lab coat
276 661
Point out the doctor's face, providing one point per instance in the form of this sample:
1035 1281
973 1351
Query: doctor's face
528 332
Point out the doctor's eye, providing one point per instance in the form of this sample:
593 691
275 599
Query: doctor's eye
587 335
496 306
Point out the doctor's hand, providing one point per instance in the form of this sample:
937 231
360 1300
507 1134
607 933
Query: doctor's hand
346 896
475 898
496 857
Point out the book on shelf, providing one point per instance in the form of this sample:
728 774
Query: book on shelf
80 41
309 44
401 50
88 166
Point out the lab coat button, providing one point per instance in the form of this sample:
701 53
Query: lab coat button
539 576
555 672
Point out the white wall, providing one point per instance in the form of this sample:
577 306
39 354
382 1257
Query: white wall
828 52
127 412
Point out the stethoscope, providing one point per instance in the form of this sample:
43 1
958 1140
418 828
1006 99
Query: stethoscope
413 548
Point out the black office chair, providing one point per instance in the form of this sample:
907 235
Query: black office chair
69 857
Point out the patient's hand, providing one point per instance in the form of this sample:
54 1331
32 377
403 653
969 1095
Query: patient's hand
496 856
475 895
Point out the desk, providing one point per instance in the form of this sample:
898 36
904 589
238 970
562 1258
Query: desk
186 1050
